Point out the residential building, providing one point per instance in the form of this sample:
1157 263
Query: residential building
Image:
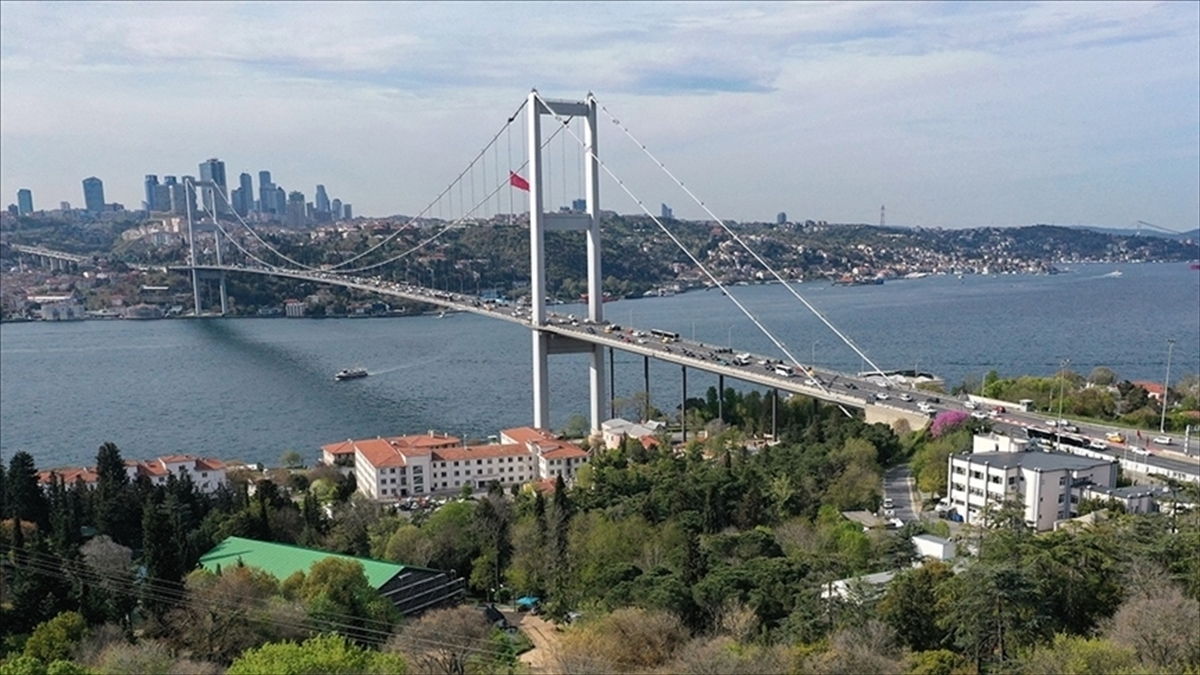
207 473
294 308
24 201
162 195
411 589
408 466
347 212
63 311
1049 485
617 429
93 194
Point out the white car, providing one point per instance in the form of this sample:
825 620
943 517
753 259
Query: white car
970 405
881 396
924 407
1162 440
1098 445
906 397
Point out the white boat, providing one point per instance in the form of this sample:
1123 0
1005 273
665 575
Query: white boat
351 374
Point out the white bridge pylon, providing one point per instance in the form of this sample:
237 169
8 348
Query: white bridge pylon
539 223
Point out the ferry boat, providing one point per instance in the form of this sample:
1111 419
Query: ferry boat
351 374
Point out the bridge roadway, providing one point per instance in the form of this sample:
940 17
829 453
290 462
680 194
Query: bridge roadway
49 253
880 403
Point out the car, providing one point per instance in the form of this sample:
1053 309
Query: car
881 396
851 385
1098 445
1066 426
906 397
979 415
1162 440
1139 450
934 399
889 503
889 513
924 407
970 405
1114 437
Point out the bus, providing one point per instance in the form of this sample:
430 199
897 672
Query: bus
1034 433
664 335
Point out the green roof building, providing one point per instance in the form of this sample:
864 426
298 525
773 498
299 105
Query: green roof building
411 589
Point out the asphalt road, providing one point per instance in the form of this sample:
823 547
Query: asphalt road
898 486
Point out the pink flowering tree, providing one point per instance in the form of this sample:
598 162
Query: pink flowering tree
946 421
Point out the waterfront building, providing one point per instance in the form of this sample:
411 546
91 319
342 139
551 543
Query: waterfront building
207 473
93 194
24 201
214 170
408 466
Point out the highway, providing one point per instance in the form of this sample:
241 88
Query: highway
831 386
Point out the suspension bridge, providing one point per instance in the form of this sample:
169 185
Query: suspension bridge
531 174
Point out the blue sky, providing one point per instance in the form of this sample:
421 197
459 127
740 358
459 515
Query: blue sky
950 114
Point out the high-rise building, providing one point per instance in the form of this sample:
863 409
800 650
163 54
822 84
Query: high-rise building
187 196
295 210
93 194
14 209
781 218
321 200
246 185
64 206
347 212
579 205
266 193
280 202
666 213
214 170
162 197
335 209
150 182
24 201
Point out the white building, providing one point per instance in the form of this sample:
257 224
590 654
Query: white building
408 466
1049 484
616 429
207 473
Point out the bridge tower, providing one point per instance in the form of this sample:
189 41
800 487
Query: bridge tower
539 223
191 186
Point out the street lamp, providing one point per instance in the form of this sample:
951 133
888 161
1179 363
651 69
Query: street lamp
1162 420
813 363
1062 394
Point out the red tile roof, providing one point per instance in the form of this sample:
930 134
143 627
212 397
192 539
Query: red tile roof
564 451
380 452
480 452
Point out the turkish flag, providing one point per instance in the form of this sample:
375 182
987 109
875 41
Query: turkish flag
518 182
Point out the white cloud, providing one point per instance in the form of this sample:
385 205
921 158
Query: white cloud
820 109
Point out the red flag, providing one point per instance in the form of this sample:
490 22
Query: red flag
518 182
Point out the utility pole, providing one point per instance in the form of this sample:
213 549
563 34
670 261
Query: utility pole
1162 420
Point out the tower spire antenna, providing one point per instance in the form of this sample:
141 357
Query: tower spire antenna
882 220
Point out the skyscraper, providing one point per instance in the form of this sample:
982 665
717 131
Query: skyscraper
280 202
295 210
93 194
335 208
24 201
321 201
214 170
162 196
781 218
187 195
246 185
347 212
150 183
666 213
266 193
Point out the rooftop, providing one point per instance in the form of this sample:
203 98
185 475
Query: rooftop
1036 461
282 560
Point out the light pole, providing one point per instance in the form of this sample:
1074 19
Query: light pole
729 336
1162 420
813 363
1062 394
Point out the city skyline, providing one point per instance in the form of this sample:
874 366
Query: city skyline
951 115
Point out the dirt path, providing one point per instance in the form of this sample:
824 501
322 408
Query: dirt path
543 657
